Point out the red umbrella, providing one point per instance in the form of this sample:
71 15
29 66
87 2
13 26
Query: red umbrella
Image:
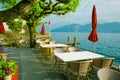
93 35
2 29
43 30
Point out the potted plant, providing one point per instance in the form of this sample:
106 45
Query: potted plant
7 69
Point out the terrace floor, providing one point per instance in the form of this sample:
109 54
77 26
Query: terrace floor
32 67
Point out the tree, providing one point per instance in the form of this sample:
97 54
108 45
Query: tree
42 8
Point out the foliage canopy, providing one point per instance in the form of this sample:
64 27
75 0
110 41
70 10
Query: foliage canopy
33 11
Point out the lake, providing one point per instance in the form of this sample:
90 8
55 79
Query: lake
108 43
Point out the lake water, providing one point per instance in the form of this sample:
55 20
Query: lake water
108 43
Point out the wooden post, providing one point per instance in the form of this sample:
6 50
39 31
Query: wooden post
75 43
68 39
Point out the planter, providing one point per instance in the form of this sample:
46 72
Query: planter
9 77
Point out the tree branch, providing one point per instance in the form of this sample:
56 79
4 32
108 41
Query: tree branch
15 11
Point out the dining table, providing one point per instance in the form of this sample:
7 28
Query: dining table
67 57
76 56
47 50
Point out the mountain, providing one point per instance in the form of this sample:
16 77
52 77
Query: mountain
112 27
70 28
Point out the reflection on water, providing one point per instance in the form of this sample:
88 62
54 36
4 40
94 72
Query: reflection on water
108 43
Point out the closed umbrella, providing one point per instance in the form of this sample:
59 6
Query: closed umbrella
42 30
2 29
93 35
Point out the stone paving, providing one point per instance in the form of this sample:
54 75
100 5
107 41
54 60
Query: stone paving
31 66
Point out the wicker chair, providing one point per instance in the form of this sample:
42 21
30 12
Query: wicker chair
22 42
59 50
7 42
108 74
102 63
80 69
47 53
73 49
52 42
3 57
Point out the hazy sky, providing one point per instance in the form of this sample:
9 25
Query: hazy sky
107 11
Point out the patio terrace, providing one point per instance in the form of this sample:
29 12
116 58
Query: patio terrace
32 66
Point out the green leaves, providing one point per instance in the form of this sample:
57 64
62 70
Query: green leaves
37 10
15 25
2 73
9 3
7 68
64 1
72 5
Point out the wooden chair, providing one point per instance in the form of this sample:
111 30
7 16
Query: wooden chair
80 69
73 49
108 74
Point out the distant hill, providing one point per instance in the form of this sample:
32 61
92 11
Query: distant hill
113 27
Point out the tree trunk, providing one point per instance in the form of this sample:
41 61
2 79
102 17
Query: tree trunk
32 37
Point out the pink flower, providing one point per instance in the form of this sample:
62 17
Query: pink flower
8 71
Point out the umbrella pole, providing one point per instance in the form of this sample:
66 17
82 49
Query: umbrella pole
50 30
94 46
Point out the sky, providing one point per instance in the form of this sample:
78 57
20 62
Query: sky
107 11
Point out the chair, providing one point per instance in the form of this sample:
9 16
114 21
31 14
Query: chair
52 42
7 42
102 63
108 74
22 42
80 69
38 41
47 52
60 49
73 49
59 62
3 57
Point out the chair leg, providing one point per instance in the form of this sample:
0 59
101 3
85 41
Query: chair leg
68 74
11 45
78 78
